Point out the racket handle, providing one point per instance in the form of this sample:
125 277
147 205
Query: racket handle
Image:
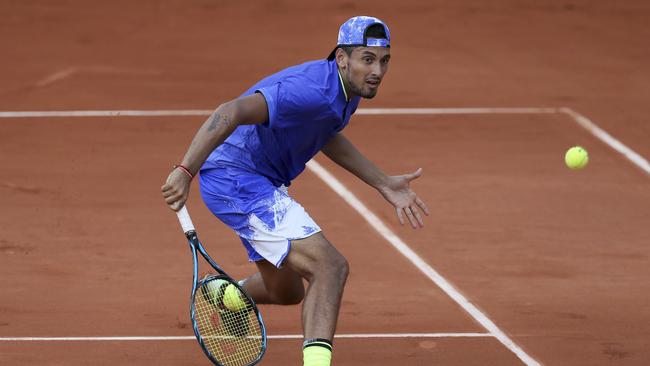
185 220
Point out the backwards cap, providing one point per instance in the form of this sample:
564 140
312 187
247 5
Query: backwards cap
353 33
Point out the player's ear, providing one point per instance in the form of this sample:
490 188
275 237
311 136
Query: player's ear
341 58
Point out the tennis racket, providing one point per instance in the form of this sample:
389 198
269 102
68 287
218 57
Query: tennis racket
228 337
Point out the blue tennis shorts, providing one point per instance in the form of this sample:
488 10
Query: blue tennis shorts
264 216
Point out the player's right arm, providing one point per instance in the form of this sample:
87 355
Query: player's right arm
251 109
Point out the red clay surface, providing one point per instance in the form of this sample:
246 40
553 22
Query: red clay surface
558 259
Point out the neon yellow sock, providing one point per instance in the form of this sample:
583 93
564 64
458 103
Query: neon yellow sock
317 353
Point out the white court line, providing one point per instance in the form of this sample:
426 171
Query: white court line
279 336
59 75
206 112
382 111
605 137
578 118
107 113
418 262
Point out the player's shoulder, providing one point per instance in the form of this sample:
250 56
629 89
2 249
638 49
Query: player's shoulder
312 73
305 87
310 80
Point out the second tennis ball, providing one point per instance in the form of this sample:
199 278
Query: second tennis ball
576 158
232 299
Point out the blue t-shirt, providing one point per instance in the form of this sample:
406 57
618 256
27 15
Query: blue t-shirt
307 107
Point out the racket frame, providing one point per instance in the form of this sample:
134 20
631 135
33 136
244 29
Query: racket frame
195 245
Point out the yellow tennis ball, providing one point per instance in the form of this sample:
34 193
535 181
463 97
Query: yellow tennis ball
576 158
232 299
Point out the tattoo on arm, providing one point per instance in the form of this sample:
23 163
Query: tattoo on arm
215 119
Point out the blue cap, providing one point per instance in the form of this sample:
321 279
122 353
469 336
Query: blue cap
353 33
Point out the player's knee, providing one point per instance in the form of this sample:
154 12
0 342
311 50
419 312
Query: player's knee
336 268
319 260
343 270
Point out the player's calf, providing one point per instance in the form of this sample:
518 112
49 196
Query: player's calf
326 270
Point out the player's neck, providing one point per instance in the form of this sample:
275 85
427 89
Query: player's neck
344 85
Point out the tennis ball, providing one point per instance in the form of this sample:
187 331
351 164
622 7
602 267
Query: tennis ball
232 299
212 290
576 158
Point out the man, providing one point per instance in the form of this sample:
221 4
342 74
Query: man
250 150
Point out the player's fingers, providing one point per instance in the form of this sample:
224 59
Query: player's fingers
417 215
174 192
174 196
177 205
400 217
180 202
410 217
166 187
422 205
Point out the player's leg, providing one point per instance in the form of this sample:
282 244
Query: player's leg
272 285
326 270
317 261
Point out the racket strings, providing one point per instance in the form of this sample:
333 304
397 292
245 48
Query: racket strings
234 338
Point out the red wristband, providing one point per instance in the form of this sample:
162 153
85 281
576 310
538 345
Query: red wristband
185 170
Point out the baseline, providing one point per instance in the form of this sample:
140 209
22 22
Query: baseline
279 336
584 122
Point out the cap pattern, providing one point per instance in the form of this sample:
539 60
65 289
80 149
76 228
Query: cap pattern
352 31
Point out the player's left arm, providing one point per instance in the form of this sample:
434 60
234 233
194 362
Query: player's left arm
395 189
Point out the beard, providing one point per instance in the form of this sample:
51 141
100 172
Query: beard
367 93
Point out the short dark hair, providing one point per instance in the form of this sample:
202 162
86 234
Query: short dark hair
374 31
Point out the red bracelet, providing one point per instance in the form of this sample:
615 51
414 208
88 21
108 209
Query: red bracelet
185 170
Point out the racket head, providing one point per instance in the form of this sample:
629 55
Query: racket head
228 338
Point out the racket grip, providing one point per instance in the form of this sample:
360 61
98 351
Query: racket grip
185 220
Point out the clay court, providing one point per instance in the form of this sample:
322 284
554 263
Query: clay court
521 262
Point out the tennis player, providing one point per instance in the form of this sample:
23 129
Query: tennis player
251 148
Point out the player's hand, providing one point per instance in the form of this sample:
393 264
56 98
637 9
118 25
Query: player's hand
176 189
396 190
